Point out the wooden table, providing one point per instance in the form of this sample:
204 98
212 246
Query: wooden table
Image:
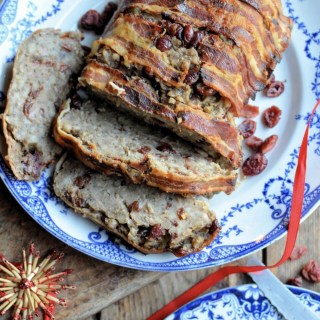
109 292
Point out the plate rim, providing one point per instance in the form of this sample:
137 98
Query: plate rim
293 289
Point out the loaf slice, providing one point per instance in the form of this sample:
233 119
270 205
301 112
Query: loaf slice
109 141
41 73
150 220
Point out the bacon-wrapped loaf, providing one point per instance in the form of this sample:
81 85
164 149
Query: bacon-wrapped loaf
189 65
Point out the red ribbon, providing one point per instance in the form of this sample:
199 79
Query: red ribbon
293 228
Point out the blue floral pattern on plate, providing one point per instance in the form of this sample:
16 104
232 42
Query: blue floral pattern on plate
246 302
254 216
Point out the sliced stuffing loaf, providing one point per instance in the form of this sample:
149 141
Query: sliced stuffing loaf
215 131
41 73
150 220
189 65
109 141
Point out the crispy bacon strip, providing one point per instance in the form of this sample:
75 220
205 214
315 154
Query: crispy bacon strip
278 24
222 18
241 42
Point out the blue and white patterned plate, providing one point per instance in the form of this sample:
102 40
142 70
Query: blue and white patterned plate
255 215
245 302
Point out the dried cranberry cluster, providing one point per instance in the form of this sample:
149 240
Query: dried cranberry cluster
92 20
189 38
257 162
310 270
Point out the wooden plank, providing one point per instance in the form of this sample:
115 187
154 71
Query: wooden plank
155 295
99 284
308 236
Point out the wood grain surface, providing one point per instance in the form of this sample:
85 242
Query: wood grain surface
154 296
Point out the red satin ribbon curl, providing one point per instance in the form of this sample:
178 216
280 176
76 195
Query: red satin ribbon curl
293 228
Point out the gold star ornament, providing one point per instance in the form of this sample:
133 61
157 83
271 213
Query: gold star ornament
30 285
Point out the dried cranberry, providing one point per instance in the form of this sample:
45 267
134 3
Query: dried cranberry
29 101
249 111
180 252
144 150
68 196
193 76
79 202
179 33
254 143
166 25
274 89
90 20
298 252
181 214
247 128
268 144
204 90
134 206
165 147
156 231
164 43
67 47
297 281
197 37
106 16
271 116
33 162
255 164
82 181
187 34
175 29
311 271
